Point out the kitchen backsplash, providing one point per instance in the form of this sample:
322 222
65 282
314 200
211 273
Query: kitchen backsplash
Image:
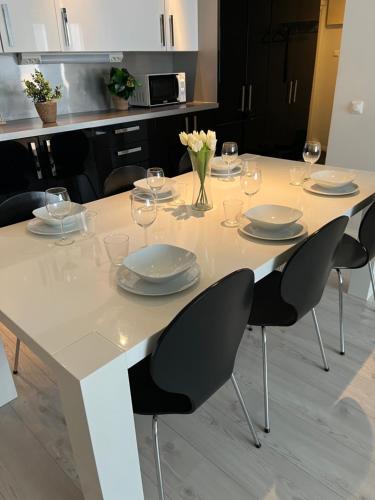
83 85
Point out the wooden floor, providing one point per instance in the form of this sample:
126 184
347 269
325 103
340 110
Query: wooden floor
321 445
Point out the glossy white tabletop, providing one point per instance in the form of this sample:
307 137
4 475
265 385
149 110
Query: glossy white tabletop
59 295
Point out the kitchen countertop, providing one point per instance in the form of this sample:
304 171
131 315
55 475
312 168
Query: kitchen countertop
31 127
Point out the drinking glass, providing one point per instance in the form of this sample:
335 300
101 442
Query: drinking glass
117 247
311 153
143 206
155 179
251 178
229 154
58 206
181 190
88 223
297 175
232 210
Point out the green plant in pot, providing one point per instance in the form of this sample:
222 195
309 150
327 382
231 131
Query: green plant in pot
45 98
122 85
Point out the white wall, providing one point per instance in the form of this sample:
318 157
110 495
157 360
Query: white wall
352 137
326 67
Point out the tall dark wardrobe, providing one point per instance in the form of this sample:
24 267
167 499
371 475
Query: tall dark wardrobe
266 67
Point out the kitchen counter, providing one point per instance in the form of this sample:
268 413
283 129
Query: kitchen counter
31 127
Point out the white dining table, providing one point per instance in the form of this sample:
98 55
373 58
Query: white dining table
65 305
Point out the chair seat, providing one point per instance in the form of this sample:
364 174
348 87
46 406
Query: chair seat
268 308
350 254
148 398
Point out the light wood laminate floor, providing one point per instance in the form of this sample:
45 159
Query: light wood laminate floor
321 445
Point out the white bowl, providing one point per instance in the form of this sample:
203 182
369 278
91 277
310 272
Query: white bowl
158 263
43 215
332 178
273 217
219 165
165 192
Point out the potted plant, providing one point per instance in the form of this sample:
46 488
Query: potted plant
122 85
44 97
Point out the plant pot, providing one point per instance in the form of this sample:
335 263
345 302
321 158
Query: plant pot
47 111
119 103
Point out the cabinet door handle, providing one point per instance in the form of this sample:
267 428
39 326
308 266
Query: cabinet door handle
295 91
8 24
125 152
171 30
243 98
195 120
34 151
50 157
127 130
250 97
187 124
64 16
162 30
290 92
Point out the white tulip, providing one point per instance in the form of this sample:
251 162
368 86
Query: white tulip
194 143
184 138
203 136
211 140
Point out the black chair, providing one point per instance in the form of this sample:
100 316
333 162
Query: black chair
194 356
16 209
16 167
184 164
284 297
354 254
121 179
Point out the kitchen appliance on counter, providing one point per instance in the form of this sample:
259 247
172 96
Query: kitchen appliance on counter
159 89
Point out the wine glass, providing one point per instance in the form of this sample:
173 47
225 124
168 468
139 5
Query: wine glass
155 179
311 153
143 206
251 178
229 154
58 206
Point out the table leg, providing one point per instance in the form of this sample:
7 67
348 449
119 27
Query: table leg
8 390
99 416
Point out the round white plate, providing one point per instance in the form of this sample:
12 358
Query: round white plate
233 172
312 187
132 283
36 226
289 233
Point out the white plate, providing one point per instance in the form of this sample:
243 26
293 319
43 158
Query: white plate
273 217
219 165
37 226
132 283
167 192
42 214
291 232
312 187
332 178
159 263
235 171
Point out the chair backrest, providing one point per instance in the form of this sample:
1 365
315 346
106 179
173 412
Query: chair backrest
20 206
17 166
306 273
70 151
184 164
121 179
367 231
195 354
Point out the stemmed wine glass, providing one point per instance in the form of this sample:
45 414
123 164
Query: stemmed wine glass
155 180
58 206
229 154
251 178
143 207
311 153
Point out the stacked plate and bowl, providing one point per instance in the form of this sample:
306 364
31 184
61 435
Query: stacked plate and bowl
45 225
332 183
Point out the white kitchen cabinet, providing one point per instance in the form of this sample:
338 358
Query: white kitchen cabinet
28 26
181 18
114 25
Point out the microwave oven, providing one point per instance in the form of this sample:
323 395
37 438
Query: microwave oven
159 89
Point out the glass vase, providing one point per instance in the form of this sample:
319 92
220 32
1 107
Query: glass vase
202 198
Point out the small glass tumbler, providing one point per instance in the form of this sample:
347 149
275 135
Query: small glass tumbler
233 211
181 190
88 223
117 247
297 175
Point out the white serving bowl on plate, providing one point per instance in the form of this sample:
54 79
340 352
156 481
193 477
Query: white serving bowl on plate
167 191
43 215
219 165
273 217
158 263
332 178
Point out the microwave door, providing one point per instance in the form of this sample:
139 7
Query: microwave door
164 89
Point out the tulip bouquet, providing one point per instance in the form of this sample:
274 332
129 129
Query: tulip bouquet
201 147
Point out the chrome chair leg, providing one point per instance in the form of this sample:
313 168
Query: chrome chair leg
157 456
372 278
341 312
265 381
248 418
317 329
16 357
